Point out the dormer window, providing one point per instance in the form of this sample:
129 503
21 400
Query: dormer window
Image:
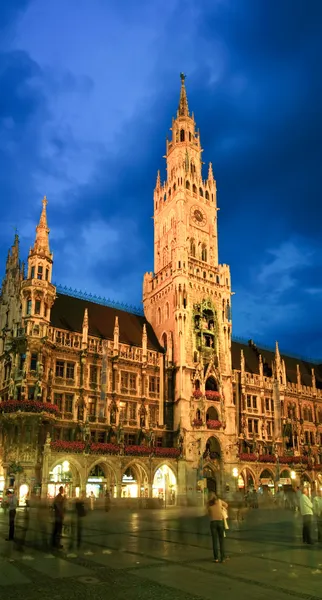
40 272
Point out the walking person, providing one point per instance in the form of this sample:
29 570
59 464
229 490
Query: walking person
92 500
317 510
80 514
306 509
59 513
12 510
215 512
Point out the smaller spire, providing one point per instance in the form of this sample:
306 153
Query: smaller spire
210 173
313 378
183 109
85 329
42 231
298 375
158 182
277 353
116 335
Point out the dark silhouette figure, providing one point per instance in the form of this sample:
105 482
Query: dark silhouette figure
59 513
12 509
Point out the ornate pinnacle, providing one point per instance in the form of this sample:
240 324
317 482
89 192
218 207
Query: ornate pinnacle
183 110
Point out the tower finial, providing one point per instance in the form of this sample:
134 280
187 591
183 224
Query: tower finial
210 173
158 182
183 109
42 231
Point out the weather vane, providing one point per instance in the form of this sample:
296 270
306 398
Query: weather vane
182 77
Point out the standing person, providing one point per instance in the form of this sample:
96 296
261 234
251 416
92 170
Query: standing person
107 501
92 500
12 509
80 514
59 512
317 510
215 512
306 510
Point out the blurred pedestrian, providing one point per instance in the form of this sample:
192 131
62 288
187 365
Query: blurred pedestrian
59 513
215 513
317 510
306 510
12 510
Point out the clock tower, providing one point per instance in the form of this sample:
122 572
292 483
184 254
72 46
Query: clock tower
188 297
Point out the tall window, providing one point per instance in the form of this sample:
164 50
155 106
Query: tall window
154 385
32 273
132 381
69 403
192 248
58 400
47 274
70 370
33 362
40 272
93 373
182 135
28 307
92 407
132 411
59 372
204 253
37 307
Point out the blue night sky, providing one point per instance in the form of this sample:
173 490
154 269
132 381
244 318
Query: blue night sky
87 92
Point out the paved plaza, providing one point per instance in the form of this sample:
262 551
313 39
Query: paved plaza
156 555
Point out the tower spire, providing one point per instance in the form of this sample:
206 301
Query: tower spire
42 231
183 109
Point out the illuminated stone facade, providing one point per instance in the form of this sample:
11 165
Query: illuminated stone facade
156 405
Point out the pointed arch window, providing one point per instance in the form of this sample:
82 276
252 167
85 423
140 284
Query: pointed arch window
200 191
192 248
207 196
194 189
159 316
182 136
32 273
167 310
204 253
187 185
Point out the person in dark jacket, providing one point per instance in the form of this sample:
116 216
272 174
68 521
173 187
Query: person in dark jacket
59 513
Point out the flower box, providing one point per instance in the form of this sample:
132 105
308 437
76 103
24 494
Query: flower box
197 393
64 446
29 406
267 458
211 424
104 448
138 450
167 452
197 422
211 395
248 457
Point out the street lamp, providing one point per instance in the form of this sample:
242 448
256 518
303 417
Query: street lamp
293 475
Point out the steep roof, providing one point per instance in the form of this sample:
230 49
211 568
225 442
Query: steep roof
68 313
252 352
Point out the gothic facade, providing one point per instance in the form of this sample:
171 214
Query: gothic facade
161 404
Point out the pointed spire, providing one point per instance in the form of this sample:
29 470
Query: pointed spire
261 368
298 375
210 173
85 329
313 379
42 231
277 354
158 182
183 109
116 336
144 344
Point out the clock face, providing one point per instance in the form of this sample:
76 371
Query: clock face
198 216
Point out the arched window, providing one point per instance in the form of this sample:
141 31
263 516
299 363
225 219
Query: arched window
201 191
159 316
204 253
182 135
40 272
192 248
194 189
165 256
189 136
211 385
174 187
169 192
167 310
305 414
187 185
212 414
207 196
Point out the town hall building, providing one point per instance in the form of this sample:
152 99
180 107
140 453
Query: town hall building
159 404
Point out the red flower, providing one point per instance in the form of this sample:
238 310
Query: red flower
248 457
213 424
267 458
12 406
197 393
168 452
197 422
65 446
211 395
101 448
138 450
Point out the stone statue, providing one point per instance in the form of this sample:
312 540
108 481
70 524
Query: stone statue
48 439
120 434
151 438
12 386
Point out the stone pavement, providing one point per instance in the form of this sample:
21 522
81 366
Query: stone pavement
165 554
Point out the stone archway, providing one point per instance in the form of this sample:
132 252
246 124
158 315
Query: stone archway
249 478
164 485
212 414
209 474
213 448
64 471
134 480
211 384
101 479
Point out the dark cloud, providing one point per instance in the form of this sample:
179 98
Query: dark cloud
255 88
